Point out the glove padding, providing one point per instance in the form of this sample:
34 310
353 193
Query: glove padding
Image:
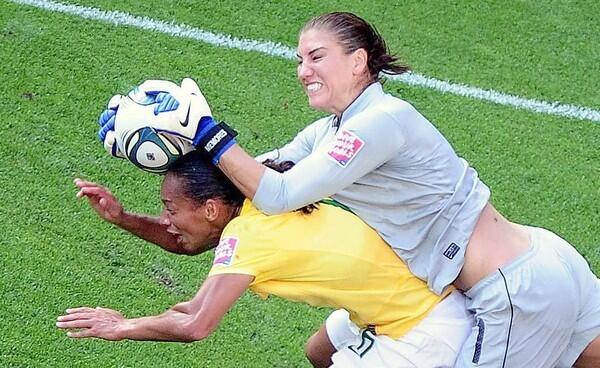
106 134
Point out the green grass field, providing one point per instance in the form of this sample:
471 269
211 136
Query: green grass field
58 71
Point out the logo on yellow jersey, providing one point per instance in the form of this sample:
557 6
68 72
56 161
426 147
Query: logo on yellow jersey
225 251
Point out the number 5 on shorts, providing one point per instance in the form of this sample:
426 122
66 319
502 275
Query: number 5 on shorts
365 345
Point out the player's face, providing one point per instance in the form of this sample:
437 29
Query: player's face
184 219
330 77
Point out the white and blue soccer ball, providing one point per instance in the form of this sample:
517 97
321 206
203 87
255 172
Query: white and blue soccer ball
153 151
147 148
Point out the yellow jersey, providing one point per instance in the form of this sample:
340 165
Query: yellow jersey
329 258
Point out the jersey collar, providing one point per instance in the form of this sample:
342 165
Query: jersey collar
370 94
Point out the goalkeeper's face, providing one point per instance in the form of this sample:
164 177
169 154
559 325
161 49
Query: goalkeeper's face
195 226
331 75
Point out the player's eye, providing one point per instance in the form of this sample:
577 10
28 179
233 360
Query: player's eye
317 57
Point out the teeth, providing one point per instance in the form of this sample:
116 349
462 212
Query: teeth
313 87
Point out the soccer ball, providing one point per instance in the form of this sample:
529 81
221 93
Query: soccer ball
147 148
154 151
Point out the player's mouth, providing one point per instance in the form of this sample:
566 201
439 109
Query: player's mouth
313 87
177 235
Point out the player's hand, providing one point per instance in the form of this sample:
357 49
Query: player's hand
106 133
98 322
101 200
180 110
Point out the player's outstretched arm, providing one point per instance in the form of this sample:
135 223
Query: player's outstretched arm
185 322
108 207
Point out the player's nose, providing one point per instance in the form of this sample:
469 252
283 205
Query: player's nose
164 218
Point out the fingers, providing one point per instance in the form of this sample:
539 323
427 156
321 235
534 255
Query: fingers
110 125
83 183
81 334
165 102
106 116
76 323
89 185
114 102
96 194
111 146
76 318
90 322
91 192
80 310
189 85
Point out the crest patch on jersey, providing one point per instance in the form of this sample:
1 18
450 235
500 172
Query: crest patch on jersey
225 251
451 251
345 147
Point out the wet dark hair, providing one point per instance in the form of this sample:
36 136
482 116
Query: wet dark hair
203 181
355 33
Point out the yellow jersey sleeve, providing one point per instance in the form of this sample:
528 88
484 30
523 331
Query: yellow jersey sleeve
243 249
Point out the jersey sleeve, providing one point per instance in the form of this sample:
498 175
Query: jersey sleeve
241 251
296 150
362 144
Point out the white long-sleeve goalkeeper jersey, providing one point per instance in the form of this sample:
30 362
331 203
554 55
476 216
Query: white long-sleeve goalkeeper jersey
395 170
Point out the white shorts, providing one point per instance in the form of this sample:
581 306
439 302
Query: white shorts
433 343
541 310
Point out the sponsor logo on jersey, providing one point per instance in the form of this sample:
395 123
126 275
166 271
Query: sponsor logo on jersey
225 251
451 251
345 147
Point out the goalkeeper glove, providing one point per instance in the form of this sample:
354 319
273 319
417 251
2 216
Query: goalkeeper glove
106 134
178 110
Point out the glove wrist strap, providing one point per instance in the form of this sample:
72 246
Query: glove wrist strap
216 141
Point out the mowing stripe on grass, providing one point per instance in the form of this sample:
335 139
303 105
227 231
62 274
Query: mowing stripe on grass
279 50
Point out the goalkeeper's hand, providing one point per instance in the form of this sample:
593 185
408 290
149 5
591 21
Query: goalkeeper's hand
179 110
106 134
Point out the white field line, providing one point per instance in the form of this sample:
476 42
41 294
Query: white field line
279 50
